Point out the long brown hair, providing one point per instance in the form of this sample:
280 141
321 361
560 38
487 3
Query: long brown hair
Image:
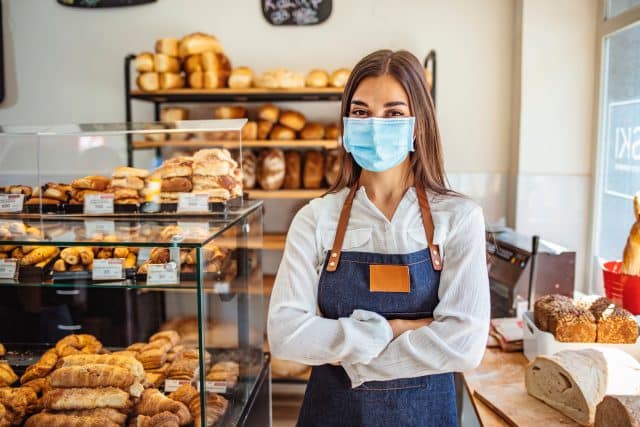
426 161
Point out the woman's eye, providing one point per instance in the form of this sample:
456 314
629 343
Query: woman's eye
395 113
358 113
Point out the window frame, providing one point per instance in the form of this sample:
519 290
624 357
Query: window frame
606 27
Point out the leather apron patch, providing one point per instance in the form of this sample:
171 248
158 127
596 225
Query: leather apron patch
389 278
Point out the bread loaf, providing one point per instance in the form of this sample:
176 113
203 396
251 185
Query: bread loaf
193 64
631 254
196 80
216 68
293 166
317 78
545 307
148 81
312 131
240 78
264 129
250 131
167 46
249 169
615 325
271 169
618 411
171 80
269 112
574 382
197 43
165 63
332 131
332 167
229 112
340 77
144 62
93 182
124 172
292 119
313 169
282 133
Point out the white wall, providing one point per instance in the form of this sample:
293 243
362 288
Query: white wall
556 138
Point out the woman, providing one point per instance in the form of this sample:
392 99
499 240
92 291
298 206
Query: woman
383 285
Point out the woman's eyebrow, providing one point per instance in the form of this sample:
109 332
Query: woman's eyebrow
358 102
394 104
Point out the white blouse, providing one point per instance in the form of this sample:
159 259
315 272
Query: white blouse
363 342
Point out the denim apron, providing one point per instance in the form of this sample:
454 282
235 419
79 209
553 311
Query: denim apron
422 401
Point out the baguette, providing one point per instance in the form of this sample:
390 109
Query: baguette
38 254
92 376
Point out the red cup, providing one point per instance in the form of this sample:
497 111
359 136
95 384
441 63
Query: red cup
621 288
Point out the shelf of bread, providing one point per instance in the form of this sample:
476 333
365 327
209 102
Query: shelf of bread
199 143
251 94
287 194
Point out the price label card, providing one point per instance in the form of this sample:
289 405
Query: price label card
94 228
193 202
221 288
107 269
173 385
144 253
8 269
215 386
162 274
11 202
98 204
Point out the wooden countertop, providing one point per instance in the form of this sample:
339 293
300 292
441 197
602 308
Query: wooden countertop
496 368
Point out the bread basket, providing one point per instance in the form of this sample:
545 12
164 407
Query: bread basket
537 342
621 288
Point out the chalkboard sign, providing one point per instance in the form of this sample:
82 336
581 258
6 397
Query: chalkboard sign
296 12
103 3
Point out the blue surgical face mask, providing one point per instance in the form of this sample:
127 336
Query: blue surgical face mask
378 144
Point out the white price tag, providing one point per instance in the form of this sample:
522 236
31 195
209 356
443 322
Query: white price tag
221 288
11 202
98 204
215 386
144 254
162 274
8 268
107 269
194 230
93 228
193 202
173 385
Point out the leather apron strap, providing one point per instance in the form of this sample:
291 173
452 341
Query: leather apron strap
343 223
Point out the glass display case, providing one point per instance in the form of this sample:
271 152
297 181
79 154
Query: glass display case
120 300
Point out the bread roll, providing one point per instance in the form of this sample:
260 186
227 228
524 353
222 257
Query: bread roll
193 64
631 255
92 182
216 67
250 131
196 80
574 382
269 112
339 77
230 112
171 80
144 62
165 63
176 184
332 131
317 78
293 167
313 169
332 167
125 172
249 169
282 133
267 80
241 78
264 128
197 43
271 169
312 131
618 411
131 182
290 79
292 119
148 82
167 46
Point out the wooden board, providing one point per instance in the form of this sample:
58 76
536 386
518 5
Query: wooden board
518 409
200 143
247 91
286 194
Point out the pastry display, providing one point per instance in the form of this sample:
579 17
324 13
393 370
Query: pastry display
313 169
575 381
589 320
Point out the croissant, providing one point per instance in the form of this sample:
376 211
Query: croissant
65 420
42 367
86 255
70 255
183 369
17 402
112 414
92 375
61 399
216 404
163 419
80 343
154 379
172 336
39 385
153 402
7 376
127 362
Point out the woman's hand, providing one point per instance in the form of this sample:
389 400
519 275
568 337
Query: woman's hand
400 326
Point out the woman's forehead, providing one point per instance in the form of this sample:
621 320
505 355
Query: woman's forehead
380 90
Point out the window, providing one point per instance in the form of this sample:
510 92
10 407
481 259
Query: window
618 160
616 7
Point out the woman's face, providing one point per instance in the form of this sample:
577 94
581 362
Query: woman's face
379 96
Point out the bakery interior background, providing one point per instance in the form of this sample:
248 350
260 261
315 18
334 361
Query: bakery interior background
516 86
